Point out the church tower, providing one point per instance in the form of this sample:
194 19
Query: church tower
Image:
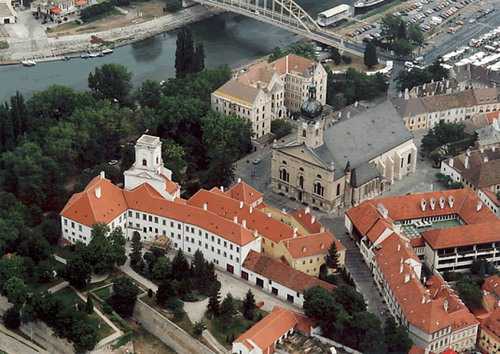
311 121
148 168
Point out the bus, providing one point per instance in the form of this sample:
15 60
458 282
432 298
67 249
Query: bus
336 14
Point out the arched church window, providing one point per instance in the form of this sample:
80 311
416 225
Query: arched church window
304 133
319 189
144 162
284 175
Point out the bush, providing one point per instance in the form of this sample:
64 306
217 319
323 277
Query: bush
93 11
11 318
281 128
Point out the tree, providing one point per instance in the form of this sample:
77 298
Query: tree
136 254
370 56
176 156
11 318
469 292
149 94
165 292
281 128
351 300
124 297
332 257
184 53
78 272
249 306
161 269
396 337
199 58
105 249
111 82
442 134
89 305
180 266
227 310
199 327
368 331
16 291
213 306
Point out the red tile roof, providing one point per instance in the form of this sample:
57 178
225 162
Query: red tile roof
465 235
312 245
85 208
268 330
492 324
292 63
492 285
245 193
281 273
306 218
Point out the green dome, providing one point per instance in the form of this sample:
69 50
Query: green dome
311 108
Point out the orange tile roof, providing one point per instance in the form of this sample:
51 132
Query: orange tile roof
417 242
312 245
229 208
268 330
464 235
491 196
305 218
85 208
292 63
492 324
423 307
170 186
244 192
492 285
281 273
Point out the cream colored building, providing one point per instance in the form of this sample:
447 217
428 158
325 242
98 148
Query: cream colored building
7 13
267 91
335 167
421 113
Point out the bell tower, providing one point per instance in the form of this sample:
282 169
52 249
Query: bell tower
311 121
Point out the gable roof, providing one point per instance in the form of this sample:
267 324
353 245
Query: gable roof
235 90
244 192
294 64
465 235
267 331
312 245
282 273
483 167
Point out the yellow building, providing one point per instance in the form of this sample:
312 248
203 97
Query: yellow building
489 334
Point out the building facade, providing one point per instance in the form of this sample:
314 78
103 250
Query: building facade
267 91
422 113
336 166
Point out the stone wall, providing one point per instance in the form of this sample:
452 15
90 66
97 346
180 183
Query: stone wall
167 331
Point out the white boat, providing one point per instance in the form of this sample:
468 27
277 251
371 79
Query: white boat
28 62
96 54
366 4
107 51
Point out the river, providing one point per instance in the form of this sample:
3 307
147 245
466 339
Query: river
228 39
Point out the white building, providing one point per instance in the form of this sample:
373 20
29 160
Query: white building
7 13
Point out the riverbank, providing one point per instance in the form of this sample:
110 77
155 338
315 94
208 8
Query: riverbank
57 48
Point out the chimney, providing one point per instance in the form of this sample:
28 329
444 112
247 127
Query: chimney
307 210
268 215
423 299
407 278
348 114
313 219
493 148
304 249
485 159
295 232
451 200
235 219
239 180
423 204
102 175
482 150
98 192
442 202
445 305
356 104
251 209
466 161
479 206
321 245
222 189
450 162
205 206
433 203
241 205
244 223
399 247
401 268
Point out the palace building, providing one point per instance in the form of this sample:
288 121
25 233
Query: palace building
334 166
234 229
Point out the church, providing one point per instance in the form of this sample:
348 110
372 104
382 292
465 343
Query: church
331 167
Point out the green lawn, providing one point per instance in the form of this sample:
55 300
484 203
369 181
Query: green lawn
103 293
224 334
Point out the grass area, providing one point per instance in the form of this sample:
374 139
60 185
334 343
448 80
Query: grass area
181 319
103 293
4 45
112 12
225 333
145 342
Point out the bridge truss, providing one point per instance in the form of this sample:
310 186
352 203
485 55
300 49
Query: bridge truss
289 15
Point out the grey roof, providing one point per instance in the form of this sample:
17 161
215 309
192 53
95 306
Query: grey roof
363 174
362 138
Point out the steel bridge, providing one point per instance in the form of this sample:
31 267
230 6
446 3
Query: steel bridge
289 15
